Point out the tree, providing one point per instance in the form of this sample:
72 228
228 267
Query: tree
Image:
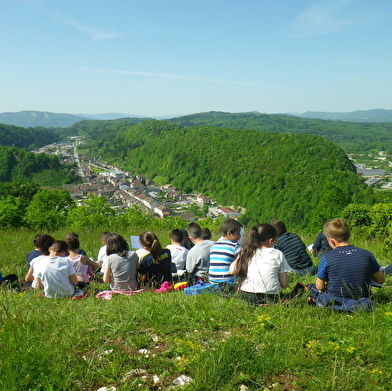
12 211
49 209
94 213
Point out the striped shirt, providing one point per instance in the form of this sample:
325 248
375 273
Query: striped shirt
222 255
348 271
294 250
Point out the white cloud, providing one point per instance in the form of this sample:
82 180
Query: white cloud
167 76
324 17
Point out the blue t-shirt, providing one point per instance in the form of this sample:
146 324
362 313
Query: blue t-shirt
348 271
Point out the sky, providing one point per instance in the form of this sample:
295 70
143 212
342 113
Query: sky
176 57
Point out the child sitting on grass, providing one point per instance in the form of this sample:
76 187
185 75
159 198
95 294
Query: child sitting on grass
155 266
345 273
43 243
121 267
56 275
79 262
261 269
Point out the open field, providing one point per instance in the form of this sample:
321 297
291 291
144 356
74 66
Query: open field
145 342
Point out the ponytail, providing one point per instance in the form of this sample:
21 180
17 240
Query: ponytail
149 241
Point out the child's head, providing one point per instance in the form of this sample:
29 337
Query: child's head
43 243
194 231
104 236
337 229
71 235
206 234
58 248
259 235
256 237
231 229
72 242
280 227
116 244
35 240
151 243
176 236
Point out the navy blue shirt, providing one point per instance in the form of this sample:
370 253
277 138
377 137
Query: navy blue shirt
157 272
294 250
348 271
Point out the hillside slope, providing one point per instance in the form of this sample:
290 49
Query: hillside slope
302 179
352 137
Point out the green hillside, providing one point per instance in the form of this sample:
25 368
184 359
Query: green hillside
302 179
352 137
17 165
26 138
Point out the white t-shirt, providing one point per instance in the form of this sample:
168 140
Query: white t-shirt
263 271
54 274
102 257
178 255
34 264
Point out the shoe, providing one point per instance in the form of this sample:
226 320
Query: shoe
386 269
165 287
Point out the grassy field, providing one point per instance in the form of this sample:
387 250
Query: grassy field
146 341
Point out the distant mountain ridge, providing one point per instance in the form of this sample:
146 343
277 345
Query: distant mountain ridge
375 115
46 119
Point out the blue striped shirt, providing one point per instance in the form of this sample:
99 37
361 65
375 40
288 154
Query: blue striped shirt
348 271
222 255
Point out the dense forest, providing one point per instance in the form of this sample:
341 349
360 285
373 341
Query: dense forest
18 165
26 138
352 137
301 179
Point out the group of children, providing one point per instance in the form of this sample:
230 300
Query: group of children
255 265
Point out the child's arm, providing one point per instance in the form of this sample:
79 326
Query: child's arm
85 260
320 284
379 277
39 283
73 279
29 275
233 267
283 280
107 276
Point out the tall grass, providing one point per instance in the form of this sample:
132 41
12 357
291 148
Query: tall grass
145 342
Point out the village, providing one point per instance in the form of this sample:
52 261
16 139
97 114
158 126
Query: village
124 189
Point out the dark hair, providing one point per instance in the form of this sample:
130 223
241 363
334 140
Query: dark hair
194 230
150 241
116 244
254 239
230 226
176 235
71 235
337 229
206 234
59 246
43 243
280 227
186 242
72 243
35 240
104 236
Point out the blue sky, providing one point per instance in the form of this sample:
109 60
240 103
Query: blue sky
175 57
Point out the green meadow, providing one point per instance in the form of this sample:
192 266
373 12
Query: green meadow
147 341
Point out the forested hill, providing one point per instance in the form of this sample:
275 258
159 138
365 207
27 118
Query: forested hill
30 138
17 165
352 137
301 179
